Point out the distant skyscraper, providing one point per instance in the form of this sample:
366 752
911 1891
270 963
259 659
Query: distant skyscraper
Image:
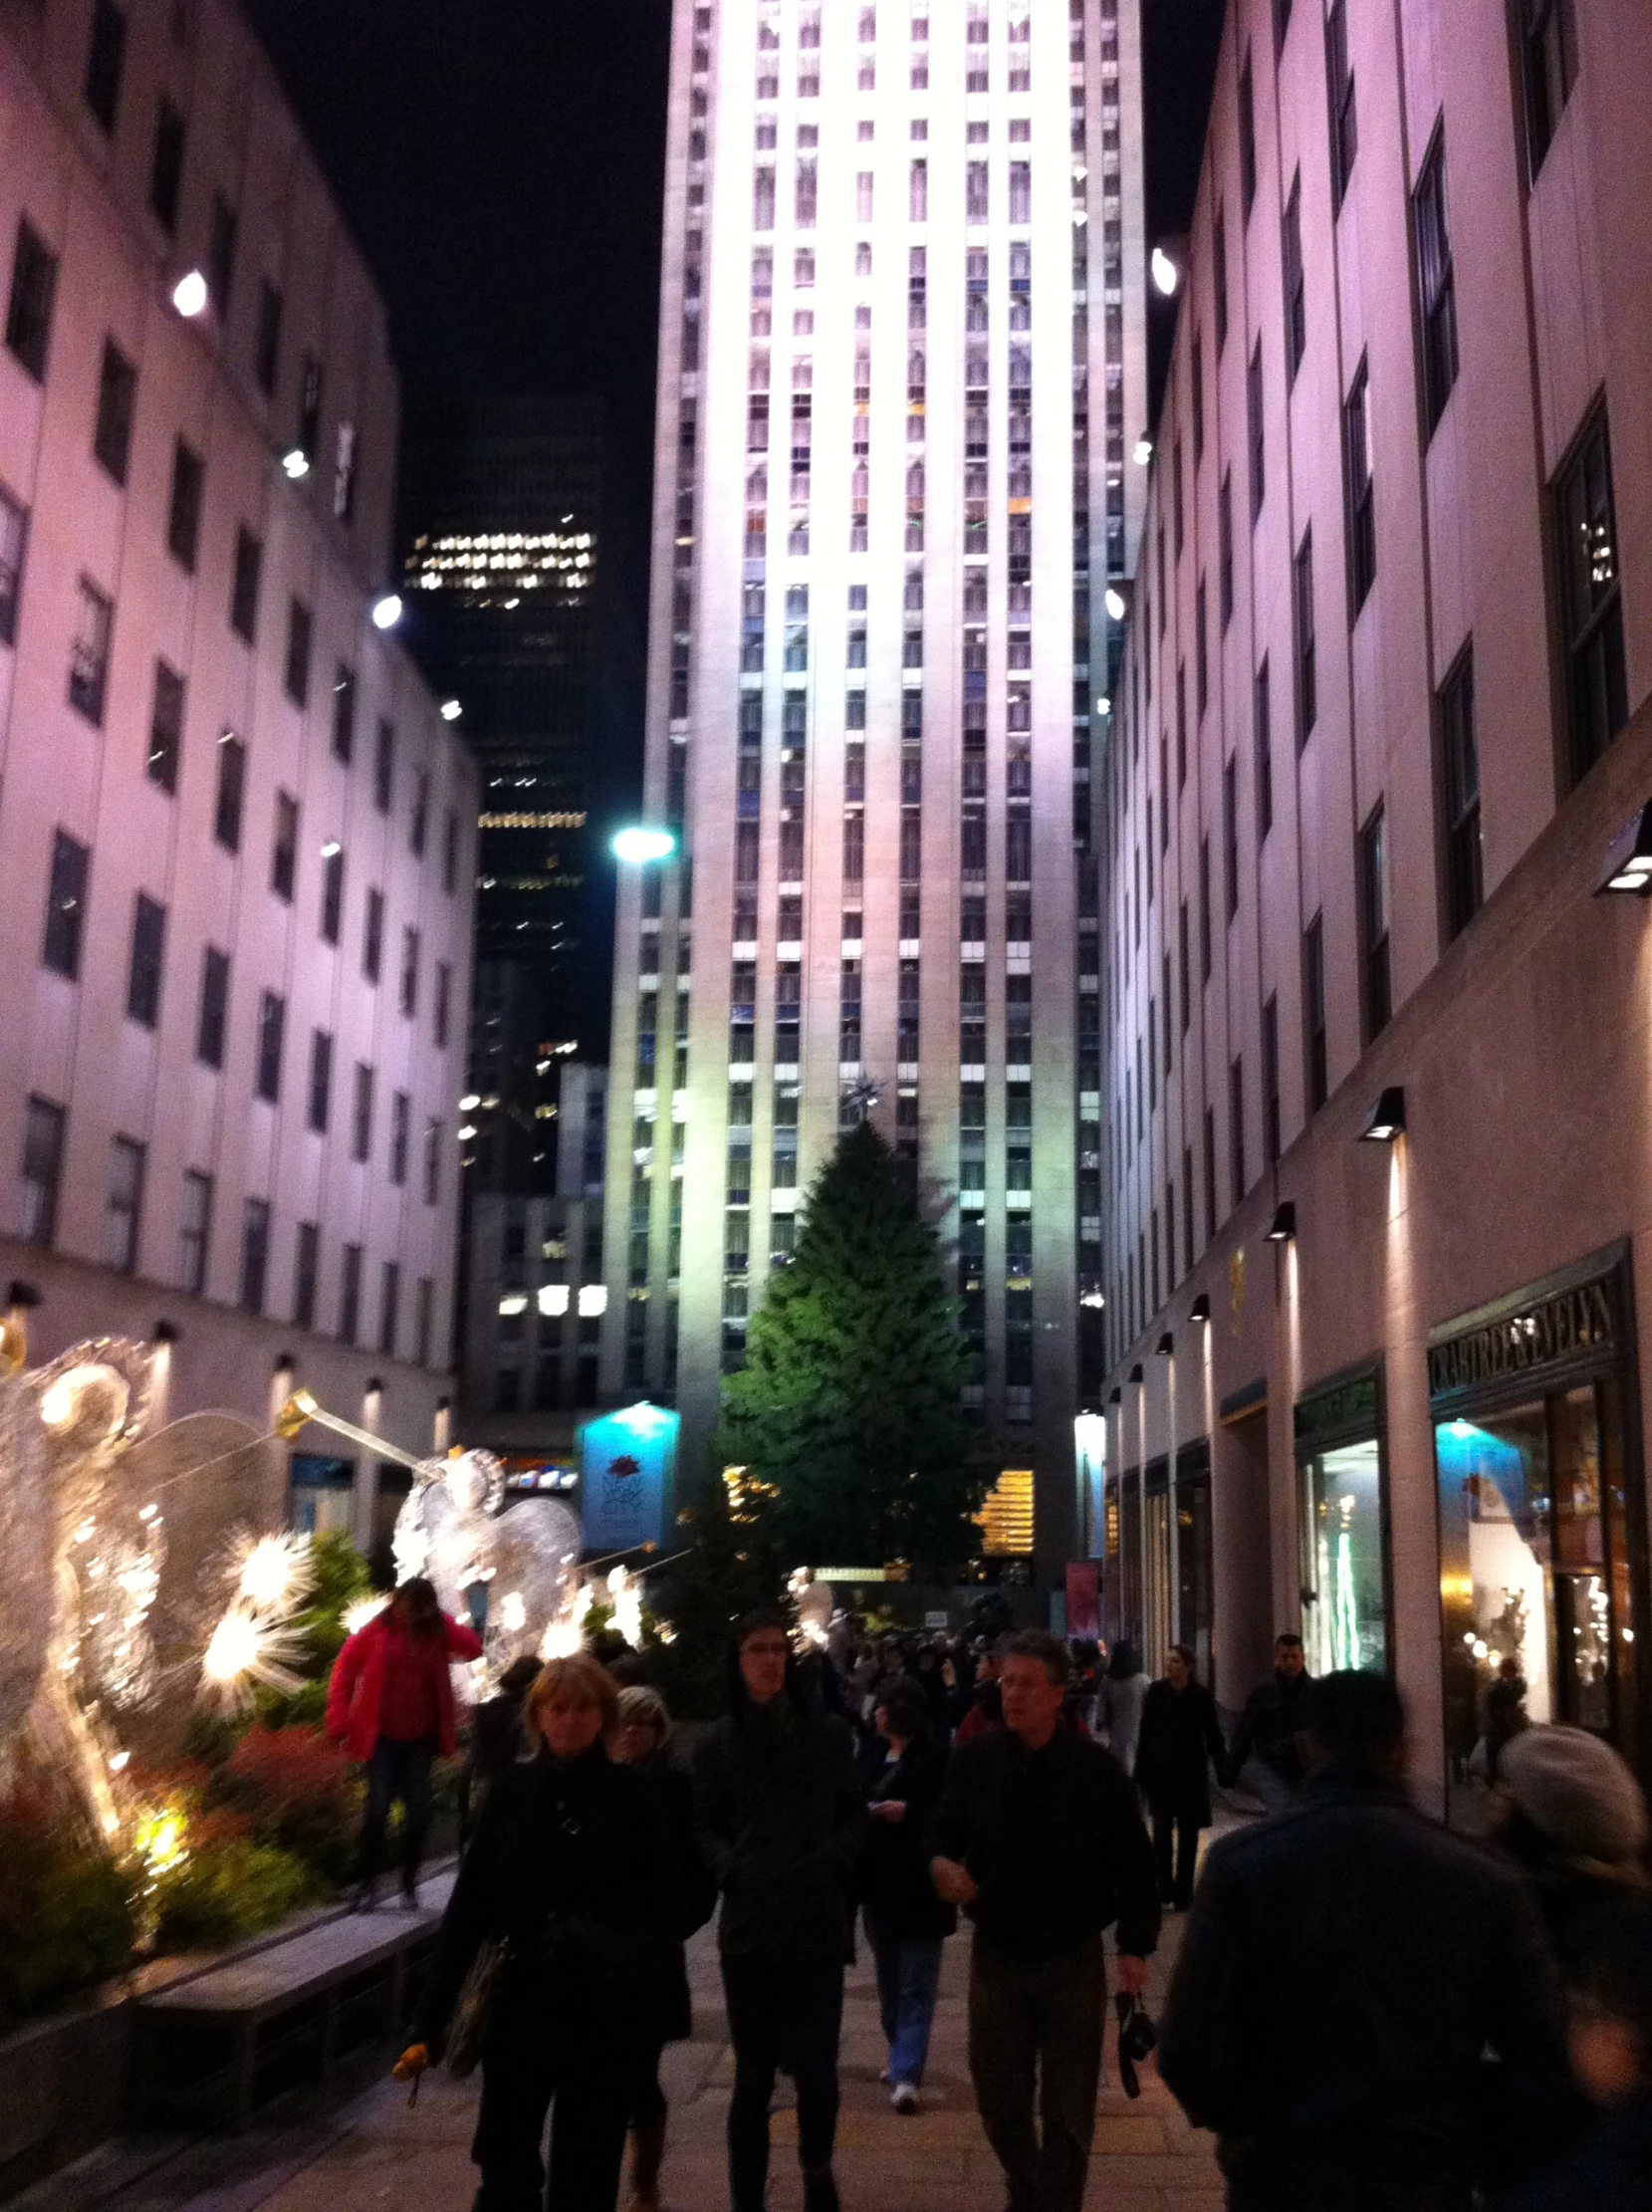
501 520
907 246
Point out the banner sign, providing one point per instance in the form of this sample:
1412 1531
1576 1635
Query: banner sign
627 1461
1083 1599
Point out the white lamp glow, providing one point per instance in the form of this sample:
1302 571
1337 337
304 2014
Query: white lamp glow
386 612
639 846
1166 276
189 293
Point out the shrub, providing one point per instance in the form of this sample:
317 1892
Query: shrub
296 1789
65 1918
226 1889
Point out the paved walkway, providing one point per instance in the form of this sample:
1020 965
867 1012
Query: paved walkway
1147 2158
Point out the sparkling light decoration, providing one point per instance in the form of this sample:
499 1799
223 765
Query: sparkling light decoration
276 1572
509 1570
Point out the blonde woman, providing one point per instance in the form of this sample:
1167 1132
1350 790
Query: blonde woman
572 1869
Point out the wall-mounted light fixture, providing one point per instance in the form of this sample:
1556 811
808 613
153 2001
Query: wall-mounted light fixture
1136 1374
22 1297
164 1333
1283 1224
1115 1396
1387 1117
1629 862
1200 1310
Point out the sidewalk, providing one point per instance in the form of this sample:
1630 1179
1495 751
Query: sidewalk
1147 2159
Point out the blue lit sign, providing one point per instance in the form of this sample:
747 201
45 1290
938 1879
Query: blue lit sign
625 1465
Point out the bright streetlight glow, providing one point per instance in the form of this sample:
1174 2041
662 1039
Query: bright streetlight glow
1166 276
189 293
387 612
1115 603
451 710
642 845
295 462
1144 451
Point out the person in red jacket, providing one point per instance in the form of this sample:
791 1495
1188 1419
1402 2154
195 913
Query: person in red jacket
391 1703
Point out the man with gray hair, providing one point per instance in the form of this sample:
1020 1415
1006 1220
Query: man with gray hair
1040 1839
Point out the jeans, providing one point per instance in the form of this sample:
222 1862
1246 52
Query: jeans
783 2011
1038 2023
396 1771
1176 1832
908 1980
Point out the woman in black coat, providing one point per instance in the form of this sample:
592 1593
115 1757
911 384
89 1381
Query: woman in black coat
571 1867
642 1744
1180 1736
906 1921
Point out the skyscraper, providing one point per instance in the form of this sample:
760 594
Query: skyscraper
901 374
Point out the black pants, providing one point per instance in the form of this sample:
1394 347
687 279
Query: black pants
1037 2025
1172 1828
649 2105
396 1771
782 2011
537 2062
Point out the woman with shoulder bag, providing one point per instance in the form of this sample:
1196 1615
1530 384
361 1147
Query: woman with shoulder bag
571 1873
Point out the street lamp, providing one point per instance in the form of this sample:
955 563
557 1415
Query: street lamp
638 845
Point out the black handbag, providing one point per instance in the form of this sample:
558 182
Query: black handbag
474 2010
1136 2038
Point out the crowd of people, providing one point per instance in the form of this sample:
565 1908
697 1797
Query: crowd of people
1367 2009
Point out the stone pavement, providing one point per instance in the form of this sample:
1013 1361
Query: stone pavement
1147 2158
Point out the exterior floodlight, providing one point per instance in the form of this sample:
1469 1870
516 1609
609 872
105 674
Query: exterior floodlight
295 463
22 1297
1094 1301
1136 1375
1116 606
190 295
1144 451
1629 862
451 710
1166 275
1103 705
1387 1117
639 846
1167 1345
1283 1225
1200 1310
164 1333
386 612
1115 1395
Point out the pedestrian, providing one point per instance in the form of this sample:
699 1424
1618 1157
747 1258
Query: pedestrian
1180 1737
1267 1748
1571 1815
390 1700
1119 1698
1346 1967
571 1870
1610 2036
1038 1836
906 1921
781 1820
986 1708
643 1743
1506 1714
498 1739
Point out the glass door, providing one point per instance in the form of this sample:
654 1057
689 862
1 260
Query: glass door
1344 1617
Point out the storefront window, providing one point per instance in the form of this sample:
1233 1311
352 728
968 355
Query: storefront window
1344 1620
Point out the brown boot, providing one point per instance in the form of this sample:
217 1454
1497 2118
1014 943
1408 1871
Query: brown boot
647 2151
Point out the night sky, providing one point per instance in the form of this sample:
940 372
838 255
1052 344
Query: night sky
500 162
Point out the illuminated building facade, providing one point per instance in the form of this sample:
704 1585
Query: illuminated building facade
499 521
1385 712
900 376
236 838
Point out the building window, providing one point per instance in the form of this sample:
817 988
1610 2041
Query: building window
232 785
1201 652
1219 259
1198 381
443 996
361 1113
213 1014
372 935
267 345
1224 530
243 605
408 991
918 194
1021 191
1204 931
300 630
1209 1174
1358 489
332 893
167 167
1270 1080
165 728
1247 136
344 714
255 1253
272 1029
1460 762
42 1171
1257 431
1551 50
126 1204
1374 924
389 1306
423 1316
65 905
89 658
28 313
1230 833
1264 751
401 1125
149 943
117 394
1436 285
1314 1014
1295 283
283 856
1585 529
183 513
349 1292
432 1177
1302 618
320 1080
14 530
309 406
104 61
384 767
418 826
307 1267
221 255
194 1232
1344 121
1236 1128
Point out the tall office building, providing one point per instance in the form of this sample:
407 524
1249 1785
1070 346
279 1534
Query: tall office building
500 519
900 379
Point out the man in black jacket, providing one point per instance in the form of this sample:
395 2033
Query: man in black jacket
1039 1835
779 1818
1268 1738
1347 1968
